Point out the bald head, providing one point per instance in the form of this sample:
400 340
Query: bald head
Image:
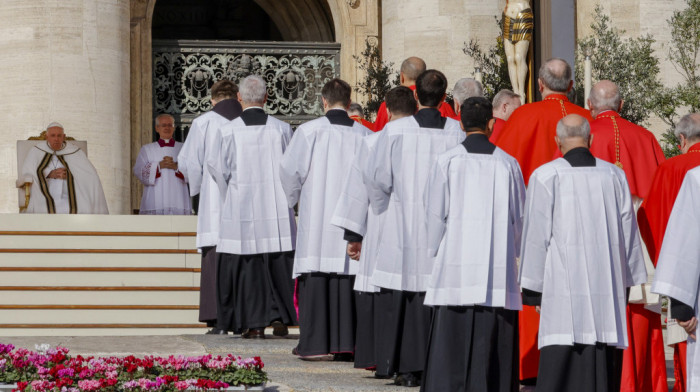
573 131
411 68
555 76
605 95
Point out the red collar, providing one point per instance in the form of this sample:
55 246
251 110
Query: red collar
694 148
162 143
556 97
608 114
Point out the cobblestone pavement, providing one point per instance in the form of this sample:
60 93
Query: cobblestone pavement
287 373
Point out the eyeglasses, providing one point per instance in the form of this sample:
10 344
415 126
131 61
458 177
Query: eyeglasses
166 125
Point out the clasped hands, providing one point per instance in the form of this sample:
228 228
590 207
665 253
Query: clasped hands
354 249
58 174
168 163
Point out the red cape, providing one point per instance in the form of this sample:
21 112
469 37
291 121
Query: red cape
639 152
497 129
529 132
656 209
382 118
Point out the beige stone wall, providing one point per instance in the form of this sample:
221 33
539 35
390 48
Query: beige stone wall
637 18
436 31
67 61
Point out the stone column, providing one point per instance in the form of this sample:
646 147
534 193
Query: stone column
436 31
67 61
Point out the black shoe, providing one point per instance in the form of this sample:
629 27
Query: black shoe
254 333
344 357
279 329
216 331
407 380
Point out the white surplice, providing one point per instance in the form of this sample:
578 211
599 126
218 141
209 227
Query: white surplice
254 215
396 176
581 250
312 172
82 189
678 268
192 162
167 194
353 213
474 205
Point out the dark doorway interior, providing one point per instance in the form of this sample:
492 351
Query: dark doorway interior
213 20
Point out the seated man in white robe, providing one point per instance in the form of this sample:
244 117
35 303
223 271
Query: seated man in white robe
396 176
164 187
474 203
312 171
678 269
363 231
580 253
257 233
63 179
192 162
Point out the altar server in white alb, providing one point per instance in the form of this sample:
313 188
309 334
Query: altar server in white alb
474 203
258 232
580 253
396 177
678 269
193 164
363 231
312 171
63 179
164 187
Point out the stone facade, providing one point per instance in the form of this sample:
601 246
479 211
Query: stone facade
67 61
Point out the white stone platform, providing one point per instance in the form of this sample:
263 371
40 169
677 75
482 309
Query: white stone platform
77 275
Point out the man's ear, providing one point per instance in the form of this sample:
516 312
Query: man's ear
458 108
590 141
415 95
557 141
540 85
388 115
571 85
325 103
619 108
239 97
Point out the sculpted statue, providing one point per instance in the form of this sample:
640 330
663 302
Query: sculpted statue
518 23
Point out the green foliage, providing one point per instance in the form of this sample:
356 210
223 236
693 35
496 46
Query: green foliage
683 52
493 64
629 62
377 79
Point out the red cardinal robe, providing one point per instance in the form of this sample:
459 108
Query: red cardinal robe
497 129
529 132
528 135
653 218
637 151
382 118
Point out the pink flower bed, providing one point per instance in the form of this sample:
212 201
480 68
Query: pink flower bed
53 369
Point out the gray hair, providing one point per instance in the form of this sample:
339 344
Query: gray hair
355 108
688 126
253 89
466 88
555 76
158 117
580 129
503 96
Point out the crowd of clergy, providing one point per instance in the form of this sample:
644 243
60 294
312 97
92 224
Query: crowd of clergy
472 246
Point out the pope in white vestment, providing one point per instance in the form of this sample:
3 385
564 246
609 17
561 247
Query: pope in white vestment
678 269
581 251
63 179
